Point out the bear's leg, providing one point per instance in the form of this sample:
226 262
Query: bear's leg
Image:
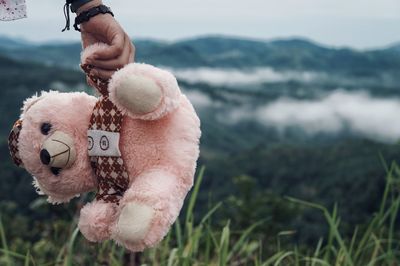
148 209
96 220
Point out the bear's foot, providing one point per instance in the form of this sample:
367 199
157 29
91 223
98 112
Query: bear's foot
144 92
96 220
133 223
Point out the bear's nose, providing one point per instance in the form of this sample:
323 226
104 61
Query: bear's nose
45 157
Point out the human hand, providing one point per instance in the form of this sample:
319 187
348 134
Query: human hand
105 29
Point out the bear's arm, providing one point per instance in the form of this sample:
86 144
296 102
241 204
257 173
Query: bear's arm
144 91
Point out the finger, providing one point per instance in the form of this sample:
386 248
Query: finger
103 74
114 50
117 63
90 82
132 53
87 39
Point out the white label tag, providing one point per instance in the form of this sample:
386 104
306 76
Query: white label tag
103 143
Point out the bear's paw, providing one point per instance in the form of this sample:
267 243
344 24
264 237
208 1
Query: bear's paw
133 223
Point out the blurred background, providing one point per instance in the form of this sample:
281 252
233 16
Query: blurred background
296 98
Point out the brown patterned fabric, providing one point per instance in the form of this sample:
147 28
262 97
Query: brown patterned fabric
111 173
13 139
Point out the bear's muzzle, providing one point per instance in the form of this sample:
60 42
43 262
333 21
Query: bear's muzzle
58 151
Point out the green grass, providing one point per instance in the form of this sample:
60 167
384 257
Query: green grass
198 241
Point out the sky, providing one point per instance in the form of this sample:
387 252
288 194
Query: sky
362 24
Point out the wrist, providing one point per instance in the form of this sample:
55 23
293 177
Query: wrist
87 15
88 6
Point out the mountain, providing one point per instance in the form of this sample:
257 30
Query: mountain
224 52
14 43
394 48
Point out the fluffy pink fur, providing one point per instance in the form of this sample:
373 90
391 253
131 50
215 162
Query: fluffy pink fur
160 150
102 217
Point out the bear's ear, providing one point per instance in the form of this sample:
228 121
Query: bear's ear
28 103
92 50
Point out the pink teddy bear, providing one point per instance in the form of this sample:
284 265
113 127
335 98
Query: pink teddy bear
151 156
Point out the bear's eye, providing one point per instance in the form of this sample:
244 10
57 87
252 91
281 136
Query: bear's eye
45 128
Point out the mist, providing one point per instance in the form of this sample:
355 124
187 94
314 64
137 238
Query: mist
235 77
357 112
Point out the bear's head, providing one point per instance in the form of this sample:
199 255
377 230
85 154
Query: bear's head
50 142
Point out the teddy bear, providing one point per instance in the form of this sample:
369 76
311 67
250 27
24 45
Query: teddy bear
136 145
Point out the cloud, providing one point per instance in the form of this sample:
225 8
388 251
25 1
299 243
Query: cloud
198 99
358 112
234 77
